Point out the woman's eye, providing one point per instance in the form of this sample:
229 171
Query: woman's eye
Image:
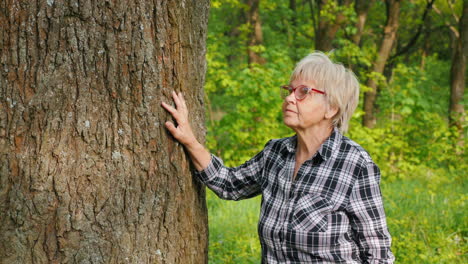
304 90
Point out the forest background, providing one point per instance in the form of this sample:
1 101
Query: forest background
410 58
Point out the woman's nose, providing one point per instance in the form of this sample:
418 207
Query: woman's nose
291 98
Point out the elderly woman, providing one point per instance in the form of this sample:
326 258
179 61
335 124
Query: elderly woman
321 200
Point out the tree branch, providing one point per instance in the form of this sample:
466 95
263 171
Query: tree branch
454 14
450 26
415 38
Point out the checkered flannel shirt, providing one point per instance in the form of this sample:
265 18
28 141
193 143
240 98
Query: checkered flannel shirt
331 213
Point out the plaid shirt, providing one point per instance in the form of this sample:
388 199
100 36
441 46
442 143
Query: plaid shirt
332 212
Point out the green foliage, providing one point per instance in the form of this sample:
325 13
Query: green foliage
413 133
254 117
423 169
331 8
350 54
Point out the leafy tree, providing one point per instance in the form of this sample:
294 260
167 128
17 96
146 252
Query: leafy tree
388 39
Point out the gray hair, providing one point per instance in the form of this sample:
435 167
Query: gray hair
340 85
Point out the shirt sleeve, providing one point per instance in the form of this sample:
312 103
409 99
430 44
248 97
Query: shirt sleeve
367 217
234 183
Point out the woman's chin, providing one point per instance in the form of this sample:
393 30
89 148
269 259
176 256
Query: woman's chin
289 123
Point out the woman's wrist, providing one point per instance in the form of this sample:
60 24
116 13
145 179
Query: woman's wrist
193 145
201 157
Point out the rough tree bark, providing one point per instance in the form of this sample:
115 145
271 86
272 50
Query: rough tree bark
457 74
88 173
388 40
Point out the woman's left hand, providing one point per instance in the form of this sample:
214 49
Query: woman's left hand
183 132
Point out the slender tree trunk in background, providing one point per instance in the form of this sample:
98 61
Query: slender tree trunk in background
295 44
326 31
457 74
314 14
427 41
236 19
362 9
388 40
88 173
255 37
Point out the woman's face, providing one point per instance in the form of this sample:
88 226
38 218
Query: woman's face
308 112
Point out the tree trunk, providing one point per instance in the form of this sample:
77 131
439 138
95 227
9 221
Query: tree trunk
326 31
236 18
426 47
362 8
255 36
295 44
88 173
457 74
388 40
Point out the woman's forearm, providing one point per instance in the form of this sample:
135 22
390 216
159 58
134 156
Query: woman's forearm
200 156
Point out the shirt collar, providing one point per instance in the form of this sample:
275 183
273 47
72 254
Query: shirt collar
326 149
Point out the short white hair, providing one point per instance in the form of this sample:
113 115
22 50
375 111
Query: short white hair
339 84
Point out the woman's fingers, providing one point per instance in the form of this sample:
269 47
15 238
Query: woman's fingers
183 100
171 127
182 132
171 110
178 100
180 104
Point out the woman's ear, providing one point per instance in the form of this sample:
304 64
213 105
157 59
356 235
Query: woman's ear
331 112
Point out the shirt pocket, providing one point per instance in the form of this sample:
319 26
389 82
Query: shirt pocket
311 214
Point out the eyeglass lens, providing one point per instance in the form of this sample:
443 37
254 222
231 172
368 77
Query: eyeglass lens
299 92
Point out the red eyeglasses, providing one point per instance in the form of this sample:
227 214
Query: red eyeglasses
300 92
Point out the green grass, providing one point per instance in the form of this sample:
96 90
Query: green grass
233 230
427 219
